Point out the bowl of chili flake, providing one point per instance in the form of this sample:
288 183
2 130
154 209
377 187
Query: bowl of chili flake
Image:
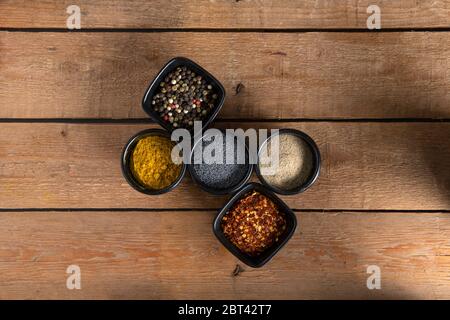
254 225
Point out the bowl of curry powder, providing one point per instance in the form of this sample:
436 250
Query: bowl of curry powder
147 162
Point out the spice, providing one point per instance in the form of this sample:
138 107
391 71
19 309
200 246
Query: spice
151 162
295 162
184 97
220 175
254 224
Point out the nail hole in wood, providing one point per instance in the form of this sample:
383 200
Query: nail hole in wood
237 270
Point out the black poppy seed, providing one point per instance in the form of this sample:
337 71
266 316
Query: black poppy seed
221 176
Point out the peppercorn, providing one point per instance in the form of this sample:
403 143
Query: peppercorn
189 95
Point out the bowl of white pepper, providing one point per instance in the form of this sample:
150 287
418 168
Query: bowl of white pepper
182 93
298 164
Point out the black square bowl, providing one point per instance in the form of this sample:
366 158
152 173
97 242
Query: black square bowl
170 66
264 257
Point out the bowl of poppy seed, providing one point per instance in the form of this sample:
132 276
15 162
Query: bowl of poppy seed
147 162
298 162
254 225
182 93
218 164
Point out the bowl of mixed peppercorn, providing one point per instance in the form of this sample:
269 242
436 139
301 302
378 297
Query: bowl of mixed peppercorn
182 93
254 225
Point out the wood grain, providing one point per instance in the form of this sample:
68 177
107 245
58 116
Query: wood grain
283 76
365 166
225 14
137 255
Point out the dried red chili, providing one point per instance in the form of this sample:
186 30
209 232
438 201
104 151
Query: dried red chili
254 223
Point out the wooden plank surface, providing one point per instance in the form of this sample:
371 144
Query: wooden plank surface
151 255
365 166
280 14
130 245
286 75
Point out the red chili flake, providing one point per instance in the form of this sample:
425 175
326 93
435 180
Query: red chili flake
254 224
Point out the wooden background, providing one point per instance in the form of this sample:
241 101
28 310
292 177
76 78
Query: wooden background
376 102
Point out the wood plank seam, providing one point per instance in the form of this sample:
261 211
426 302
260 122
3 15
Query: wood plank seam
168 209
224 30
220 120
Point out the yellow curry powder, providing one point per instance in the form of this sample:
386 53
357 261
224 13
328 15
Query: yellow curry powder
151 162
